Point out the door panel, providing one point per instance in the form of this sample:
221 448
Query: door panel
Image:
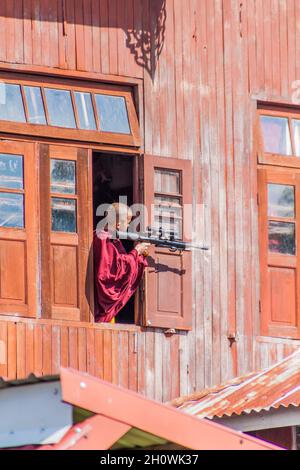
65 232
279 212
18 229
168 279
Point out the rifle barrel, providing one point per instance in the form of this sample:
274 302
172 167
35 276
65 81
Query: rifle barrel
171 244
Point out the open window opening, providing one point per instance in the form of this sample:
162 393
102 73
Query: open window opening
112 180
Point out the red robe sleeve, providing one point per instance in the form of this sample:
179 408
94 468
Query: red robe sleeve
117 276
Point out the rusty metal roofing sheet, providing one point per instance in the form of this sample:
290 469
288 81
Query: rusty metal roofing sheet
274 387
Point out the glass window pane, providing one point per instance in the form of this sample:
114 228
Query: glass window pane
276 135
35 106
63 176
282 238
167 181
11 171
281 200
63 215
85 111
112 114
168 216
11 103
11 210
60 108
296 127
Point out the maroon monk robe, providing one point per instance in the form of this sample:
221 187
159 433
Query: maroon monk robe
117 275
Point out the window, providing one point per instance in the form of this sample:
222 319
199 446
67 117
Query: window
168 203
18 229
279 137
63 209
279 219
105 113
11 191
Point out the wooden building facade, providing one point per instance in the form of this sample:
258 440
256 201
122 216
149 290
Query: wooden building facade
205 94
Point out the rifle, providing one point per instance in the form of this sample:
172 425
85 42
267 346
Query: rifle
161 240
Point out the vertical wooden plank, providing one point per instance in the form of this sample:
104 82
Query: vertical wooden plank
3 31
150 372
38 350
200 261
141 373
73 348
250 12
268 84
55 349
283 41
64 346
70 34
90 344
291 47
12 350
46 45
107 355
297 20
47 349
88 42
175 362
122 54
115 357
3 349
27 11
99 358
82 349
179 84
275 47
104 31
55 40
45 223
29 338
133 361
124 359
166 370
96 35
79 35
113 36
10 31
148 88
21 351
61 33
158 363
260 65
18 20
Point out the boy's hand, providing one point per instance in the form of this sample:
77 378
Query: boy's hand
142 248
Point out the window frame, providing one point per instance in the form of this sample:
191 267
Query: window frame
274 158
77 134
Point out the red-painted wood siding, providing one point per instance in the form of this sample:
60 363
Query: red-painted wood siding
218 55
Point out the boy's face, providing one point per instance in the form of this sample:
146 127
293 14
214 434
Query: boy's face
123 222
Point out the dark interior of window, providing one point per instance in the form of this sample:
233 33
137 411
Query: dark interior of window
113 179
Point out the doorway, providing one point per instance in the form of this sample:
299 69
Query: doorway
113 179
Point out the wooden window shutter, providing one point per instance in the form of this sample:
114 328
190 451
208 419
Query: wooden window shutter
64 249
168 279
279 212
18 229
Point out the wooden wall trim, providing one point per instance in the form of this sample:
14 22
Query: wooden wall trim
73 74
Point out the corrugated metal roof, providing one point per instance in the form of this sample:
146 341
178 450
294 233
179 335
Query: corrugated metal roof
274 387
30 379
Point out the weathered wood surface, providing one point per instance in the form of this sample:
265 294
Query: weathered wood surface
218 57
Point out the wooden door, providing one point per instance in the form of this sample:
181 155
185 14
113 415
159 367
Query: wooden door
18 229
168 280
65 228
279 214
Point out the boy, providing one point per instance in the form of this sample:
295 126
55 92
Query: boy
117 273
